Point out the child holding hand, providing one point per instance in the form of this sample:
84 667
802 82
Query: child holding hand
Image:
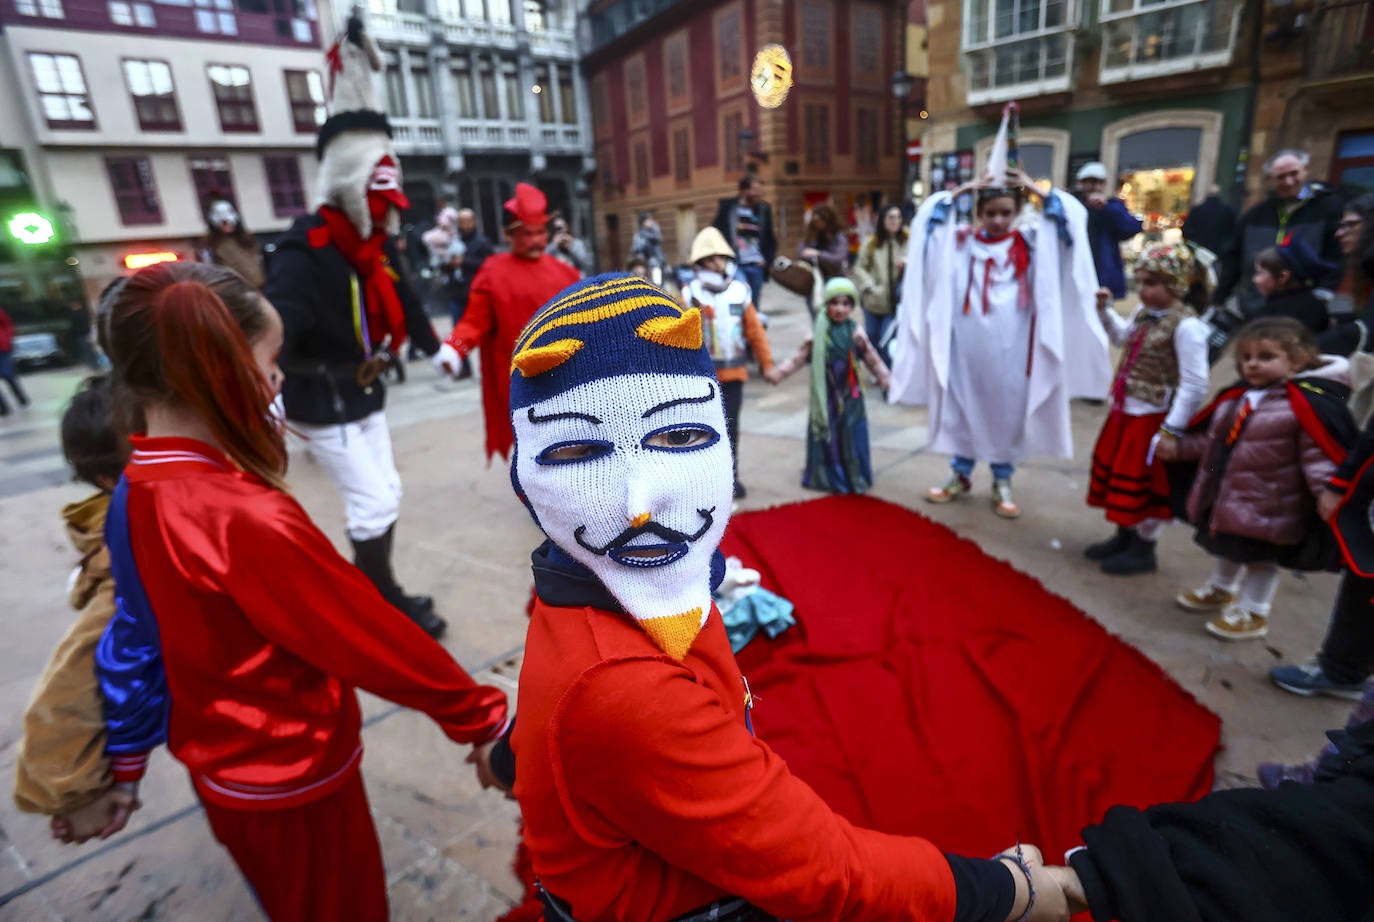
837 456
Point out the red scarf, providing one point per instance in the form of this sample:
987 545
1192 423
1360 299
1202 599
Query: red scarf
1018 256
385 315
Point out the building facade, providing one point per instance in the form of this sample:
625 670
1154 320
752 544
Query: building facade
482 94
1173 97
677 123
124 116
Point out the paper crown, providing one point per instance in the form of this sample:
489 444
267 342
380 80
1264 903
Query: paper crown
613 324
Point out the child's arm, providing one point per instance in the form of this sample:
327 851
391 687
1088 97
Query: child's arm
1118 328
1190 350
61 765
758 339
871 359
801 357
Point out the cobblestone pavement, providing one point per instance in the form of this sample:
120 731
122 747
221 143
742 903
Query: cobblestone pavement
464 538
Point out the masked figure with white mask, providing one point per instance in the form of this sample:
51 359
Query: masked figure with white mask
228 243
346 310
645 795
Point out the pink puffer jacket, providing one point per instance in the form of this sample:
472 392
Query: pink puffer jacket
1275 471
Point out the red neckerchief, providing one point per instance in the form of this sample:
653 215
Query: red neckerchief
1018 256
385 315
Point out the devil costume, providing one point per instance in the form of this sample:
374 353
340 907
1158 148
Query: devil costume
345 310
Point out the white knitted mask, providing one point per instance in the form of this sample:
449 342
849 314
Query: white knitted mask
631 475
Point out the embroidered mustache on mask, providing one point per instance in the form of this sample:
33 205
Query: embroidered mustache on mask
647 555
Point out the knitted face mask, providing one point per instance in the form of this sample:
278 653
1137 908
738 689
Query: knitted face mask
629 473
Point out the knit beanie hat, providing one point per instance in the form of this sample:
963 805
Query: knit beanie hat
838 287
620 447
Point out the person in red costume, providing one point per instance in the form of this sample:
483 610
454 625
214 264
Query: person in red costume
646 796
239 632
507 291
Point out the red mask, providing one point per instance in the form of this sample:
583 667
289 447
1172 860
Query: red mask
529 242
384 190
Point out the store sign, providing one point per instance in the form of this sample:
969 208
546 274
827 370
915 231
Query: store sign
31 228
771 76
143 260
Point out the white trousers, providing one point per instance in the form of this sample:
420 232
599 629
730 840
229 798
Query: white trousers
1257 583
357 457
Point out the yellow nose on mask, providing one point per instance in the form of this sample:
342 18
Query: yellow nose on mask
640 520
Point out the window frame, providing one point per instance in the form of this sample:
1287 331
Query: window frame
141 166
218 169
248 104
822 153
295 184
300 105
169 98
985 49
64 124
727 43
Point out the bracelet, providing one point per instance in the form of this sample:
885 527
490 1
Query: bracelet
1025 867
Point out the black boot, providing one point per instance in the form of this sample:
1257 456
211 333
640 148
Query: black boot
1111 547
1138 557
373 557
417 602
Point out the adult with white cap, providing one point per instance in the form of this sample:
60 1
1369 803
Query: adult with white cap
1109 225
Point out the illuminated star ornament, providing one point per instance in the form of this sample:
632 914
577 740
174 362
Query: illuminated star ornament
31 228
771 76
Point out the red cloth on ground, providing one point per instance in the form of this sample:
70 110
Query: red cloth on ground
309 863
1121 482
929 689
504 296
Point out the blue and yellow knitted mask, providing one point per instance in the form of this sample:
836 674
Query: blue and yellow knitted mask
620 447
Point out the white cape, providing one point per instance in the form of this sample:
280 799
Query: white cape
1069 356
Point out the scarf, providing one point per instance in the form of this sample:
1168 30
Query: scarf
827 336
384 314
1018 256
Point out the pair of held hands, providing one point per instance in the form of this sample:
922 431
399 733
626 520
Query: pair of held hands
1058 891
112 810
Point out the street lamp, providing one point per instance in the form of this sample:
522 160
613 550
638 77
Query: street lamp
902 85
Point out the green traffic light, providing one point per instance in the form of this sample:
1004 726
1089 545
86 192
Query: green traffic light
32 228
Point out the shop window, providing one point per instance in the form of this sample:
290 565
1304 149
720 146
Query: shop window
135 192
211 176
233 89
1146 38
1016 48
284 185
1156 170
305 90
155 101
61 90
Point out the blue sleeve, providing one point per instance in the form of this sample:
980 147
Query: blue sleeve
1120 222
128 659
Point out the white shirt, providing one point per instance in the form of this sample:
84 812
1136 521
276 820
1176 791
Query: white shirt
1190 347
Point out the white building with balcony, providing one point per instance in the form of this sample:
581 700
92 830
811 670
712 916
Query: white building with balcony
482 94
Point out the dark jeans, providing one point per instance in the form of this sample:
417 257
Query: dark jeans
1347 653
753 276
875 325
732 393
8 375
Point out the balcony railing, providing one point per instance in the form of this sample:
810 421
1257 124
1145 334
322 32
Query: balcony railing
479 32
389 25
553 43
1341 39
1142 39
476 135
417 136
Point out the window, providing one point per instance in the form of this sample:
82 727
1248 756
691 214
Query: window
491 106
1146 38
729 45
48 9
600 89
61 90
395 91
546 90
868 40
682 156
135 193
567 95
1013 47
132 14
155 101
305 90
675 61
211 176
216 17
817 135
515 91
424 93
500 11
634 87
462 85
732 127
866 138
284 185
641 167
534 16
815 30
233 89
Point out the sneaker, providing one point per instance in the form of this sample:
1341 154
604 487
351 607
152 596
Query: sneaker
1002 502
1272 774
1205 598
1309 679
957 485
1235 623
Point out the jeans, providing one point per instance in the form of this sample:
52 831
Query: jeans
1001 470
875 325
753 277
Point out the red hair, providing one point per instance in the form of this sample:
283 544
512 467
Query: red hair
182 332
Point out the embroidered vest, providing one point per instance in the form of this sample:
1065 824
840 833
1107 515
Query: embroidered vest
1154 374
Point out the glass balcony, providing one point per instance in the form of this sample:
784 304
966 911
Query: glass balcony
1016 49
1154 38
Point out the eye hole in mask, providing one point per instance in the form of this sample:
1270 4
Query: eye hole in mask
574 452
680 437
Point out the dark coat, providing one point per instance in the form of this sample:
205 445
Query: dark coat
478 249
1211 224
727 222
310 287
1109 227
1314 220
1300 304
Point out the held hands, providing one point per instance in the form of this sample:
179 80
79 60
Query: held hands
1051 903
773 376
447 360
480 758
1327 504
1166 449
103 817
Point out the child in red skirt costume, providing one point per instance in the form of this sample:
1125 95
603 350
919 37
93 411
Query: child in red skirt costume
1160 383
